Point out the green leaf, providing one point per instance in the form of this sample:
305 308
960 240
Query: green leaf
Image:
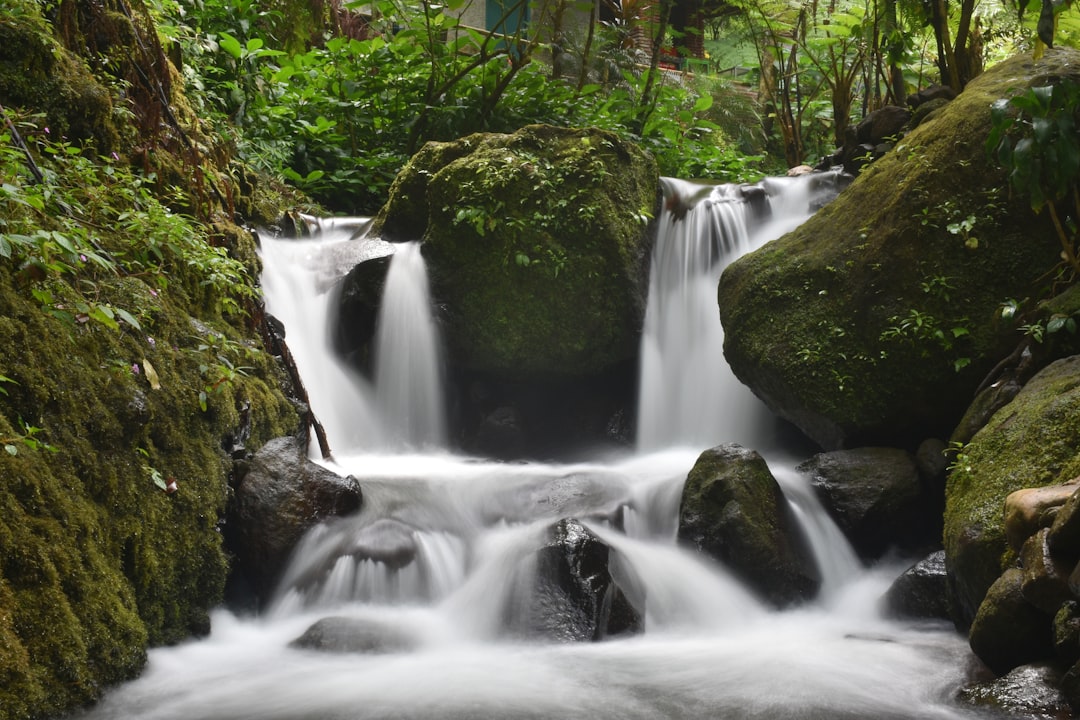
11 449
1056 323
230 45
128 318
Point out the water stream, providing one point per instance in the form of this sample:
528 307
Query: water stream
436 566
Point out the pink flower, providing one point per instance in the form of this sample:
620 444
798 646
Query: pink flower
135 368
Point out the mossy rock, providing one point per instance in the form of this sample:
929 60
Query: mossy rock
537 245
835 325
1031 442
733 510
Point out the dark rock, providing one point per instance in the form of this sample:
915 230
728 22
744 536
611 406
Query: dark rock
573 596
1070 686
1067 633
1046 579
1008 631
934 92
882 124
734 511
926 111
987 402
1065 531
281 496
920 591
352 635
875 496
1030 691
932 461
357 312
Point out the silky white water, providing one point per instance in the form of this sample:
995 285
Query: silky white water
438 564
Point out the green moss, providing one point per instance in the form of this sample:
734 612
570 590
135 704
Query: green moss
35 73
1031 442
536 244
804 317
98 561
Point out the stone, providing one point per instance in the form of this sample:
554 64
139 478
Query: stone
1029 510
538 246
875 496
1020 447
1067 633
733 510
353 635
573 596
1065 531
814 321
1008 631
1029 691
282 495
1046 579
920 592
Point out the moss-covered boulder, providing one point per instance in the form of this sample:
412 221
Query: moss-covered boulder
733 510
537 244
1031 442
873 323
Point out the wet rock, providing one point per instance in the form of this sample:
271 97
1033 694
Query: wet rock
733 510
1008 631
281 496
1030 691
574 597
386 541
920 591
538 245
353 635
1046 578
876 497
358 312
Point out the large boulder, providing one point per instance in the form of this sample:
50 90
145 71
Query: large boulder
537 245
1029 443
872 323
733 510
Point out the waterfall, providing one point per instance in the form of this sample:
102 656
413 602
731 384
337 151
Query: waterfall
402 407
687 393
408 361
434 580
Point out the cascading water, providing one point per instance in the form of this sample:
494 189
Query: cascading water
408 361
432 585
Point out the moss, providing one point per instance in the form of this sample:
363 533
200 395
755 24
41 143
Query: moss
537 246
37 74
1031 442
804 317
98 561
